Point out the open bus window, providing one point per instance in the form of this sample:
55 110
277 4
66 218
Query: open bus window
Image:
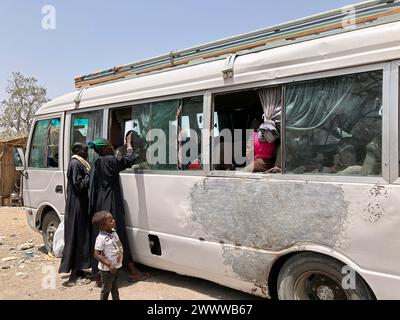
149 121
142 119
86 126
44 148
236 121
334 125
124 120
155 133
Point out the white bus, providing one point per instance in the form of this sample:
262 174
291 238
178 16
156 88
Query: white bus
324 225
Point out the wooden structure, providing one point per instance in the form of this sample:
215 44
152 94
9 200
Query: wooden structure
9 177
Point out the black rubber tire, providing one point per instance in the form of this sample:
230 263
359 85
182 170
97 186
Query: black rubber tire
49 226
297 268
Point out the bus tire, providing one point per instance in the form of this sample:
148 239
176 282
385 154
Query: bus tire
309 276
49 226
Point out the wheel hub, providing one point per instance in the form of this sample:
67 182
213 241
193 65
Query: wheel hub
318 285
325 293
51 229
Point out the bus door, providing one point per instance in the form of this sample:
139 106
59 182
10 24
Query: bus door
43 180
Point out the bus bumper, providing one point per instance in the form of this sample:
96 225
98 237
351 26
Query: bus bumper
31 218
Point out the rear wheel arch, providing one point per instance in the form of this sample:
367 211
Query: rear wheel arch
281 265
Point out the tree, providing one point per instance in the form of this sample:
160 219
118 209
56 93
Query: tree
25 96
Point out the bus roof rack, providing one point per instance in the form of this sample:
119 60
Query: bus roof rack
358 16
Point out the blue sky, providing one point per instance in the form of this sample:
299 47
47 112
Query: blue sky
95 35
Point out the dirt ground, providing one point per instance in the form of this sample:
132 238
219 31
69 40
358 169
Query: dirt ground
26 273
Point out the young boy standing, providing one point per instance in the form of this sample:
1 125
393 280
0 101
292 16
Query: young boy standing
108 251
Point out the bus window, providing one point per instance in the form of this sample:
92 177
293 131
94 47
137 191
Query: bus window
189 139
163 117
237 117
86 126
148 121
334 125
45 144
126 119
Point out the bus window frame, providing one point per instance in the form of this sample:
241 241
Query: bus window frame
68 125
394 102
48 116
208 110
384 179
107 118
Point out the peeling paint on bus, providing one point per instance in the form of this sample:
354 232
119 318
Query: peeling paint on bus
249 265
284 213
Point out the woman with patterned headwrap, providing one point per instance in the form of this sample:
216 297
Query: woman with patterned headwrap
105 195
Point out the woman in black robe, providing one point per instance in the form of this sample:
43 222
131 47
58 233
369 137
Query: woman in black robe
106 195
76 254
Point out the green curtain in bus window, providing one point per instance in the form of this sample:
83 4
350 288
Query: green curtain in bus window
163 117
37 153
334 125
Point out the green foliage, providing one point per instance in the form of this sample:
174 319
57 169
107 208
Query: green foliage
25 96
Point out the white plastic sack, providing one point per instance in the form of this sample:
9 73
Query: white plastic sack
58 240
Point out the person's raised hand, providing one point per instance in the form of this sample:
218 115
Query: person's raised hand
129 139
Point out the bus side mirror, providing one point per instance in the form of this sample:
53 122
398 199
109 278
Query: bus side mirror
19 159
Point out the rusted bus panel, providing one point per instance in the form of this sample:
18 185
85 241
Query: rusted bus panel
253 222
268 215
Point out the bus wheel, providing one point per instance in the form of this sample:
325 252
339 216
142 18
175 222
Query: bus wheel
49 227
309 276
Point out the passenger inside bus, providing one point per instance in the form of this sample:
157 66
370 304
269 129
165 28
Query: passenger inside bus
367 132
242 111
359 153
139 148
344 157
120 128
334 125
260 152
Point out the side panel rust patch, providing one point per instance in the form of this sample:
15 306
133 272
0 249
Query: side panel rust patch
265 215
269 215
